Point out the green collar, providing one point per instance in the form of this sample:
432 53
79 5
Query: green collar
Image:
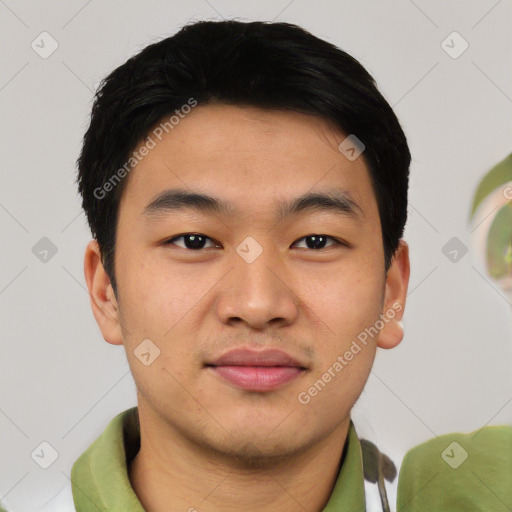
100 475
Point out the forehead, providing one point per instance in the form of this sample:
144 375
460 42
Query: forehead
251 159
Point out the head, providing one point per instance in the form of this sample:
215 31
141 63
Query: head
246 186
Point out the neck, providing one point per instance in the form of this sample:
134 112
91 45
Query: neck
168 473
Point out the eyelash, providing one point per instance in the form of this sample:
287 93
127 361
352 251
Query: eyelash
338 242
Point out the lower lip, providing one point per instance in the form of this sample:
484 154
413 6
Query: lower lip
258 378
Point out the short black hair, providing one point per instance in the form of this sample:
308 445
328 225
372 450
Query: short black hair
256 64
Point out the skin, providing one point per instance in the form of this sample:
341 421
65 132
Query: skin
206 443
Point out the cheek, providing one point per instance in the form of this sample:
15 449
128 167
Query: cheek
152 296
332 391
159 304
343 302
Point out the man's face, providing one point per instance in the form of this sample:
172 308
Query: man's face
255 281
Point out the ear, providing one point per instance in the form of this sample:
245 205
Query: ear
397 282
103 301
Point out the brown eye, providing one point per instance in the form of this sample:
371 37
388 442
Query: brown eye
192 241
318 241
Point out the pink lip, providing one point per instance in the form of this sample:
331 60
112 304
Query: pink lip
257 371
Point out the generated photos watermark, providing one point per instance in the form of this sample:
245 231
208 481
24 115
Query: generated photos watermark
157 133
304 397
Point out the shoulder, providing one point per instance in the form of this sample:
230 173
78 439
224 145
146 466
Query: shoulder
459 472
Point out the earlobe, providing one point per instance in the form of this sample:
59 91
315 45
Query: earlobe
397 282
103 302
391 335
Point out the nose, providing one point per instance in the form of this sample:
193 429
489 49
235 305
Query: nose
260 294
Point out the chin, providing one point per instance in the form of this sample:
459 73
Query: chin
252 449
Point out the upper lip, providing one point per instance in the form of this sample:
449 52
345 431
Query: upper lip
247 357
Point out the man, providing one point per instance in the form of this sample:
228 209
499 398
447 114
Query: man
246 188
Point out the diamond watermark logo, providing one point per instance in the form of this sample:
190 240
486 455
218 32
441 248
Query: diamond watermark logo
44 250
454 249
454 455
44 455
351 147
146 352
249 249
44 45
454 45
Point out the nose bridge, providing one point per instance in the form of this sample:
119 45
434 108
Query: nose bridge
257 292
257 273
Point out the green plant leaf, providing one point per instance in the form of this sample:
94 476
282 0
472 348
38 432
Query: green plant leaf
500 174
499 243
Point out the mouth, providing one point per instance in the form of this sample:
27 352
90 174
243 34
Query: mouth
257 371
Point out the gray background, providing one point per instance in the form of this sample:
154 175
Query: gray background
62 383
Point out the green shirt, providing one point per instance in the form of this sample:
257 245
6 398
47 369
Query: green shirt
100 480
459 473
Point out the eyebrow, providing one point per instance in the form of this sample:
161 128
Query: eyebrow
334 201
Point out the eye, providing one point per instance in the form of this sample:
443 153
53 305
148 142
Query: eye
193 241
197 241
318 241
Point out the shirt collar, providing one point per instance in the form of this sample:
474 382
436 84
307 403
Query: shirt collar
100 475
